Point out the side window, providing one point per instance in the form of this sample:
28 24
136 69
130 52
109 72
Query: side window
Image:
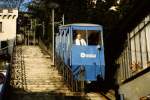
4 44
68 40
0 26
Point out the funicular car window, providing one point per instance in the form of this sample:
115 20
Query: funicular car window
94 38
91 37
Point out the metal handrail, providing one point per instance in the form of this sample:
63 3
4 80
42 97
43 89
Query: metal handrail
66 72
68 76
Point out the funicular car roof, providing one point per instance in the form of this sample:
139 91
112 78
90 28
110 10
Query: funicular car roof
82 26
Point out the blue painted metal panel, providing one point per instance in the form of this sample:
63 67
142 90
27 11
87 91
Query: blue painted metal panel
91 58
86 28
81 26
91 72
87 55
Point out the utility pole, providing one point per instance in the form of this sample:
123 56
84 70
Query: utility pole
25 36
34 31
43 24
31 28
28 36
53 32
53 6
63 19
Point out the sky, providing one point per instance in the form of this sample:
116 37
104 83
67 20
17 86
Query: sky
23 6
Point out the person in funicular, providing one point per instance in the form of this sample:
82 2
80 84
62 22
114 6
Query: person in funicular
79 40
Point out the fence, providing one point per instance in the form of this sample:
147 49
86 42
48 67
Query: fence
136 54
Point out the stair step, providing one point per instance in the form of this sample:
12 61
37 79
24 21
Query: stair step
40 76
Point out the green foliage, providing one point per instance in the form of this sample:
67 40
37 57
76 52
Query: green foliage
78 11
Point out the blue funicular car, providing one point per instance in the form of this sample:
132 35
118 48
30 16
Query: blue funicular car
88 58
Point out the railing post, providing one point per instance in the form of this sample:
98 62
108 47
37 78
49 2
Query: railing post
82 78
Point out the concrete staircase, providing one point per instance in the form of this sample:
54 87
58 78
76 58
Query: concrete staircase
34 78
40 80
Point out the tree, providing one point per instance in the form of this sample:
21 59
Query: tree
80 11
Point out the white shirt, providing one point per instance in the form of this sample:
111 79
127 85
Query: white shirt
80 42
